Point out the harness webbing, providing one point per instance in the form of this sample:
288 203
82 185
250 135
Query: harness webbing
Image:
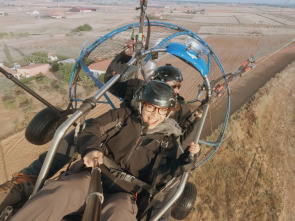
117 172
155 169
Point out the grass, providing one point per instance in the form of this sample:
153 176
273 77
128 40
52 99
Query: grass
85 27
9 104
13 34
16 100
6 86
241 181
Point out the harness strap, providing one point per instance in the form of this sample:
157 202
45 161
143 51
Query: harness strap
155 169
116 129
117 172
123 184
78 130
158 197
129 93
109 134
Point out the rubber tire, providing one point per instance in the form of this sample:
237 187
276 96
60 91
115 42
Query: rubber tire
42 127
183 206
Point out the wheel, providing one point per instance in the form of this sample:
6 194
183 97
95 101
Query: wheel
43 126
185 203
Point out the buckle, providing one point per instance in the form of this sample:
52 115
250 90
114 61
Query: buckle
121 175
164 143
119 125
125 176
129 178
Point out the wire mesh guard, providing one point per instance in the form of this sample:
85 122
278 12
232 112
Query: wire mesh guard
194 90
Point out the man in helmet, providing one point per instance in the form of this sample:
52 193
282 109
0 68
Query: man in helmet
145 148
167 73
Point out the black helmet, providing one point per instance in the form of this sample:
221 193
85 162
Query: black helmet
158 93
168 73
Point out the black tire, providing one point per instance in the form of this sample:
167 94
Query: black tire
183 206
43 126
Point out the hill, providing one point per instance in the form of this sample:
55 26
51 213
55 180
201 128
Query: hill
252 175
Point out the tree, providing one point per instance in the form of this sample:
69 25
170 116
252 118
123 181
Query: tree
85 27
54 67
66 71
37 57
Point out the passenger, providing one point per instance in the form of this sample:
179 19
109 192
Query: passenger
145 147
167 73
20 187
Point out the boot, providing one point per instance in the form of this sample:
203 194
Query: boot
18 189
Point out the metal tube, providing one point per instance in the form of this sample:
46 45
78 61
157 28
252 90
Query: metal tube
95 197
206 108
185 174
202 121
177 194
153 50
144 53
53 148
85 107
107 86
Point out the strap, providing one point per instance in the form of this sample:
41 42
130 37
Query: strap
115 129
132 179
129 94
109 135
163 147
78 130
158 197
155 169
117 172
125 185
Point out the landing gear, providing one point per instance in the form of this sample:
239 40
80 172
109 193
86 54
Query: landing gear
43 126
185 203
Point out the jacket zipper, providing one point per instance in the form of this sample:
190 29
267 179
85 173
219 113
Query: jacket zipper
134 148
132 151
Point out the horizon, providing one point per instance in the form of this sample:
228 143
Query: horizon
264 2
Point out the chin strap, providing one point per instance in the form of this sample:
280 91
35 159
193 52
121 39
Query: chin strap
139 107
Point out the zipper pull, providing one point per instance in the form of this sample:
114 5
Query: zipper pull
137 141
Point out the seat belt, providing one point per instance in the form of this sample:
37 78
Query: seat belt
158 197
162 152
78 130
117 172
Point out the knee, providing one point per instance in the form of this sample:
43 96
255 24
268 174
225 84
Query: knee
119 206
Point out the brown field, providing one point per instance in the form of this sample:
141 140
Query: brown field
251 176
215 19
